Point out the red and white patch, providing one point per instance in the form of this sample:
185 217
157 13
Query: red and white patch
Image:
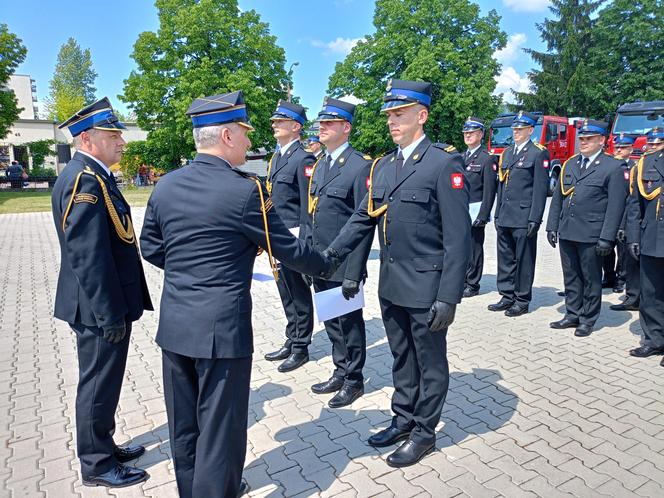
457 180
494 166
545 164
368 182
626 175
308 170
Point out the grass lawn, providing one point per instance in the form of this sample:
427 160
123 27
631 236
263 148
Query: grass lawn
32 202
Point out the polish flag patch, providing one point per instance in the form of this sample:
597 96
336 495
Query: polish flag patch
494 166
308 170
457 180
368 182
626 175
545 164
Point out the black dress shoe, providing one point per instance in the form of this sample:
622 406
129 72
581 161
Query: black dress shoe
565 323
345 396
501 305
124 454
119 477
583 330
625 307
295 360
244 488
331 385
516 310
409 453
468 292
387 437
645 351
279 354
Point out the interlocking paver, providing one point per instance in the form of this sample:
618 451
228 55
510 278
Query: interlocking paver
530 411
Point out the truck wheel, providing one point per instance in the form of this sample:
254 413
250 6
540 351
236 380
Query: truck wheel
553 180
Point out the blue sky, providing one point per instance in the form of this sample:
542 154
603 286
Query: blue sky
315 33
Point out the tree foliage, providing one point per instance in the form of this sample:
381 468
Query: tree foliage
560 86
39 150
135 154
627 59
445 42
12 53
72 86
202 47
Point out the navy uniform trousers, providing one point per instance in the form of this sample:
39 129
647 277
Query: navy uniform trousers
348 336
516 264
101 367
582 273
201 439
298 306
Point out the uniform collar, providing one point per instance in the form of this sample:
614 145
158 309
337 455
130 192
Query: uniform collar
593 157
284 149
519 148
408 150
104 167
472 151
334 155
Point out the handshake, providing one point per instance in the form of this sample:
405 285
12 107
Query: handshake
349 288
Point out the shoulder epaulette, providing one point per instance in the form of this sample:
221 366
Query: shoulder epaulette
88 171
244 174
539 146
450 149
649 152
367 157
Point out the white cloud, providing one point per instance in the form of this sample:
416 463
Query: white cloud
340 46
512 49
527 5
509 79
352 99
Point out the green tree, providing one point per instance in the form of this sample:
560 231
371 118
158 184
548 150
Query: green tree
72 86
12 53
135 154
628 58
202 47
445 42
39 150
560 86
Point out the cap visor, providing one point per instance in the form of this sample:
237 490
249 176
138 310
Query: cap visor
396 104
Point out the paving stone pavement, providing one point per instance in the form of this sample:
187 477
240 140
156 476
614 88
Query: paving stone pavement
530 411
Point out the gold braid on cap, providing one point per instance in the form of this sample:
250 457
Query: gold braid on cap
642 189
312 202
125 234
503 176
264 210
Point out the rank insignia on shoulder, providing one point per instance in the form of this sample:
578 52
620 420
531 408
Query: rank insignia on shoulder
539 146
84 197
367 157
451 149
457 180
308 170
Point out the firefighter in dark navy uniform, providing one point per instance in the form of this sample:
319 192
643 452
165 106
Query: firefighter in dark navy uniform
645 241
629 267
315 147
203 226
481 177
418 199
288 175
101 288
585 215
337 187
523 173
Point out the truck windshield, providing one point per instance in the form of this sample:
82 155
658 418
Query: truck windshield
637 124
501 136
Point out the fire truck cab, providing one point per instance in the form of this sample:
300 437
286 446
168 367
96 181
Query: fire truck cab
635 120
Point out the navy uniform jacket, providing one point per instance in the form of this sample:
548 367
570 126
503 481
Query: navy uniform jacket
593 205
523 191
289 177
627 166
203 226
425 233
481 178
645 218
101 278
337 195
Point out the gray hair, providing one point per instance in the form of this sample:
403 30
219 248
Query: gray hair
78 141
207 136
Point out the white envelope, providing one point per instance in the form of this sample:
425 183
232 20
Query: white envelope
474 210
331 303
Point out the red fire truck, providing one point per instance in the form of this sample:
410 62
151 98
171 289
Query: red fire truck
556 133
636 119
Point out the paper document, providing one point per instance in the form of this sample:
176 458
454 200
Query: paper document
262 277
295 231
331 303
474 210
